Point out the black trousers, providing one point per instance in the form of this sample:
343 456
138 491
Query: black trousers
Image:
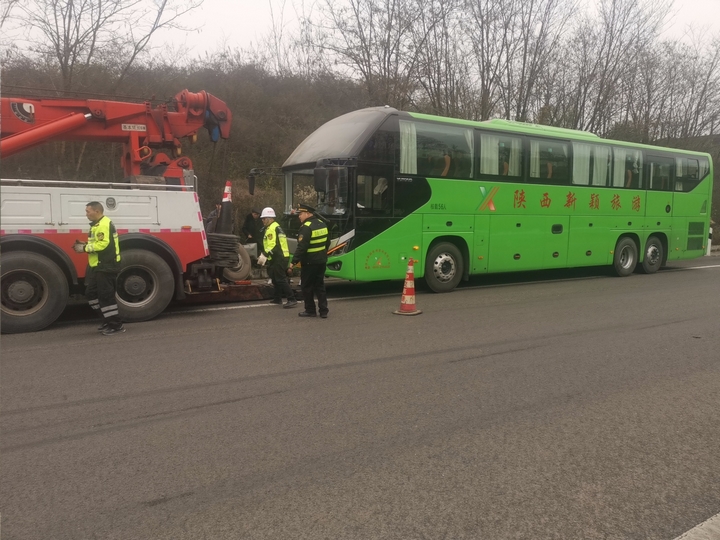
280 280
312 277
100 292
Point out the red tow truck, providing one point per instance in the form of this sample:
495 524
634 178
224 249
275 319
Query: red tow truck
165 251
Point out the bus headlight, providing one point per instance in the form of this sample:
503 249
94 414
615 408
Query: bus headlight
335 266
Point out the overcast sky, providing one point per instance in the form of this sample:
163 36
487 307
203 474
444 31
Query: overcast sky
241 23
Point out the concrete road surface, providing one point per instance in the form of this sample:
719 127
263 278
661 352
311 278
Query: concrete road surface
519 407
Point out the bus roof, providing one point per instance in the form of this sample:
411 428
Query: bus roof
525 128
514 126
345 136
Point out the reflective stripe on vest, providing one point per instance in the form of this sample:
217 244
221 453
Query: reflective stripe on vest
318 239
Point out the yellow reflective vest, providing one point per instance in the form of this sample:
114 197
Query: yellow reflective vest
102 247
313 242
275 242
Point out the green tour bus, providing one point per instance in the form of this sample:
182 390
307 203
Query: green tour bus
463 198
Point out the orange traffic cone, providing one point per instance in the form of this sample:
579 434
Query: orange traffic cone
225 224
407 302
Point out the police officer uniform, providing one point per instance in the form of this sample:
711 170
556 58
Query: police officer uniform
103 251
311 254
277 253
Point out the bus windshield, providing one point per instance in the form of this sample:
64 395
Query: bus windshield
342 137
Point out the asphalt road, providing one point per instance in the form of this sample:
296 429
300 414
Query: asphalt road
566 405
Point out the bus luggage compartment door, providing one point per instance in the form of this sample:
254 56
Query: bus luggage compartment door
517 242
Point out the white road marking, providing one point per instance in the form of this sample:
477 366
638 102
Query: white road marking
707 530
699 267
267 304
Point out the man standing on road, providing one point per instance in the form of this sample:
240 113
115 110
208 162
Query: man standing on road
276 253
251 227
103 251
212 217
311 253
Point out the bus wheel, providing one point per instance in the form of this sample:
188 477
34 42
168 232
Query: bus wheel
34 292
626 256
443 267
654 253
145 285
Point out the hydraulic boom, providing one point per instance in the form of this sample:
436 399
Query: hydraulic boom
140 127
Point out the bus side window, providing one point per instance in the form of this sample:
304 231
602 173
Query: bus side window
373 195
500 155
591 164
687 174
549 162
661 173
441 150
627 168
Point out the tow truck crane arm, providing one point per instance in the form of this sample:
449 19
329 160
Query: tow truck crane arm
138 126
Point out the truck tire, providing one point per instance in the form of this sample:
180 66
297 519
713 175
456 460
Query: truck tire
443 267
145 285
242 270
625 257
34 292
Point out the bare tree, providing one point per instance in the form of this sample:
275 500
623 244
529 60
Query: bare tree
6 10
605 50
489 30
443 72
77 33
373 40
540 25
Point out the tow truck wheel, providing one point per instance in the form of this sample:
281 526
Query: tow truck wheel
242 270
145 285
34 292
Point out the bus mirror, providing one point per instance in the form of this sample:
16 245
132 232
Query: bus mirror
321 178
251 184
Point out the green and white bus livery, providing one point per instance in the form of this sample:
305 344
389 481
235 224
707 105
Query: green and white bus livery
464 198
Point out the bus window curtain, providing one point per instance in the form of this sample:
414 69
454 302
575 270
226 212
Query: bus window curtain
408 148
515 167
581 164
679 168
471 146
534 159
600 165
619 167
489 154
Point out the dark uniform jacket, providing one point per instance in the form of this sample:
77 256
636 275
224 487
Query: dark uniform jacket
252 227
313 243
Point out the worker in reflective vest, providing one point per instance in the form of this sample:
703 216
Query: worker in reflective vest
311 254
103 251
276 254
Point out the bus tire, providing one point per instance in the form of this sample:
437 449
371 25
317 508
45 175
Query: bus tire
242 270
145 285
443 267
654 254
625 257
34 292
